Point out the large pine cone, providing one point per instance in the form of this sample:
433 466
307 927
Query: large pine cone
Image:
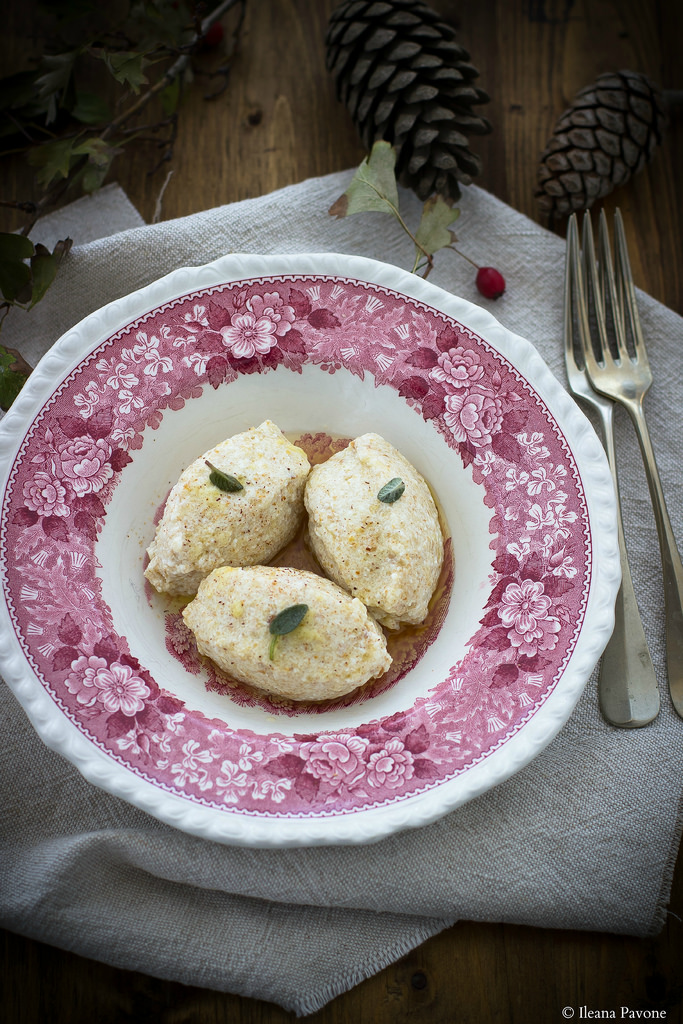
609 133
404 79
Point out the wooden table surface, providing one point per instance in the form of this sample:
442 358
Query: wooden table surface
278 123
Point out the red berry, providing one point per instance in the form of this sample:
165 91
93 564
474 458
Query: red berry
490 282
213 37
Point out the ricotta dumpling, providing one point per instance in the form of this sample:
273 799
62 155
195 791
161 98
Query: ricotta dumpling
335 647
205 526
388 553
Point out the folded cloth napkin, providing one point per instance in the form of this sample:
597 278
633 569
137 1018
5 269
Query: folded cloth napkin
584 837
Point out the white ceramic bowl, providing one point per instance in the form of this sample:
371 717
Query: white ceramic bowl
327 346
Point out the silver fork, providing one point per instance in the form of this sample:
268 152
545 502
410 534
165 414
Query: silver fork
626 378
627 685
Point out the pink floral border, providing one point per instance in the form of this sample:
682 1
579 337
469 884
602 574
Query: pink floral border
68 467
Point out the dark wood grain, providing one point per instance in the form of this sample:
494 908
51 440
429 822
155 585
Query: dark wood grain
278 123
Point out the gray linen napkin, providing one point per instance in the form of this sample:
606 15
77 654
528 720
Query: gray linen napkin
584 837
103 213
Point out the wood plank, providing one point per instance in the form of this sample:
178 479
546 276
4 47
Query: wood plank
277 123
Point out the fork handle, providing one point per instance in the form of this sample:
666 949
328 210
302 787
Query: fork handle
627 684
672 568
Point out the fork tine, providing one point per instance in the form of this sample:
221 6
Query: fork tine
591 277
569 292
616 296
574 289
585 273
626 286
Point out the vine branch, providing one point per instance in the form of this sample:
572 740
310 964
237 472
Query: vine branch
175 69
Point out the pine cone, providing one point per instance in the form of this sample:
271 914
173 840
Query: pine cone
609 133
404 79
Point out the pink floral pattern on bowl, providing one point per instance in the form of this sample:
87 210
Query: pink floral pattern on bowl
81 442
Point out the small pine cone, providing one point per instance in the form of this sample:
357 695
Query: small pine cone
609 133
404 79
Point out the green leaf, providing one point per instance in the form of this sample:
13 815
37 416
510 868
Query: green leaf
14 278
373 186
153 23
62 247
15 247
53 84
15 274
170 97
433 233
43 270
13 373
93 177
91 109
391 491
23 282
284 622
54 160
44 266
224 481
127 68
58 69
100 155
287 620
99 152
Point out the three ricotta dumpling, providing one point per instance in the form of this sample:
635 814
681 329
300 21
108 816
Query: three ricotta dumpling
239 504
